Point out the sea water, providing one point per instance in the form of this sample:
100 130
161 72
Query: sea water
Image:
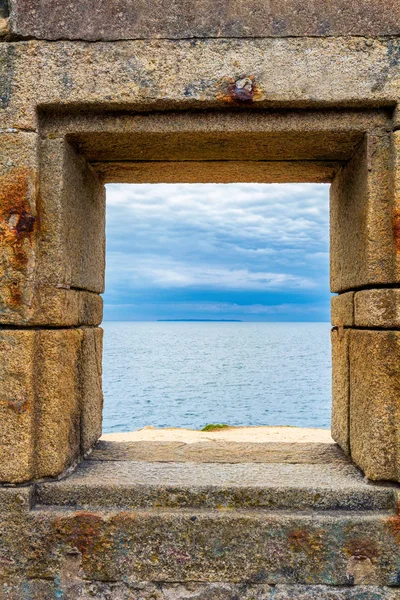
179 374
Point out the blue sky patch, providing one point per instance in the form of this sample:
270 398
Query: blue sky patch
253 252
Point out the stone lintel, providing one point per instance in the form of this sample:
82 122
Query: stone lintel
121 20
312 73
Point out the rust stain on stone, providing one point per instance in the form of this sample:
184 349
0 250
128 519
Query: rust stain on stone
82 531
362 549
393 524
305 541
17 225
19 406
238 91
25 223
396 230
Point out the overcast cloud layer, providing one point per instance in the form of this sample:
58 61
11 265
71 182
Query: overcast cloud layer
238 251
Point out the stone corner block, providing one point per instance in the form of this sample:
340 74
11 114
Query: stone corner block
342 310
374 358
45 379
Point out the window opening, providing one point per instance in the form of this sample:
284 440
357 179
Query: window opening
216 306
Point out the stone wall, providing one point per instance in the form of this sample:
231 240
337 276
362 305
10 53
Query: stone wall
188 91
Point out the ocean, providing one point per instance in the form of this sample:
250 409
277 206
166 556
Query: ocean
187 374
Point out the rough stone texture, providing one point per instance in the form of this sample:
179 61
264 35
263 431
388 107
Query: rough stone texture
16 499
342 310
219 452
198 552
377 308
17 399
74 588
91 390
315 592
374 402
57 414
217 172
19 175
396 194
290 133
82 100
72 212
252 145
127 484
396 118
121 19
237 136
256 546
340 388
157 75
27 221
49 383
362 248
51 306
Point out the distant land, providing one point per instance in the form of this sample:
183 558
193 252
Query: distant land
199 321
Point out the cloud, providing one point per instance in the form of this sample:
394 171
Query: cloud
243 238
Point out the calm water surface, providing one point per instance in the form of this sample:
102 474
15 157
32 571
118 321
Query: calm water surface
191 374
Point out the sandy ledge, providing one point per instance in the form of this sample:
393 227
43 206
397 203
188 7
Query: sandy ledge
231 434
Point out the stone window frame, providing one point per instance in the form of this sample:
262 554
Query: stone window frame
356 150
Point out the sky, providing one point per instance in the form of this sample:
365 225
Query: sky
251 252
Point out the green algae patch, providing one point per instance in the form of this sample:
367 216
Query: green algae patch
215 427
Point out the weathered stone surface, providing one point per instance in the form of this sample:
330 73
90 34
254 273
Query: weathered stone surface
127 484
340 388
50 385
17 405
51 306
255 546
396 195
24 300
252 145
18 222
377 308
119 19
218 172
72 220
316 592
362 248
219 452
4 27
74 588
213 524
57 418
374 402
4 9
16 499
109 135
91 388
342 310
313 73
